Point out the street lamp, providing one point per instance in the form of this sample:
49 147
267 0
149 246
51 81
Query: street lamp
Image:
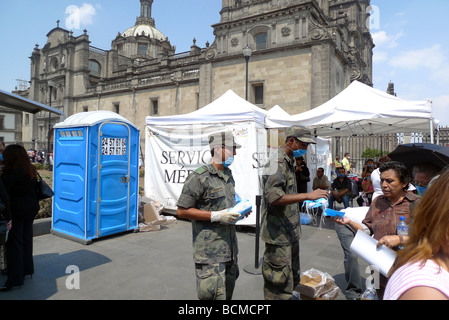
247 54
51 84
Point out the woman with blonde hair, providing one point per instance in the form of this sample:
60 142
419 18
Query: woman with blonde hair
421 270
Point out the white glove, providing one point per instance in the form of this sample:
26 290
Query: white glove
224 217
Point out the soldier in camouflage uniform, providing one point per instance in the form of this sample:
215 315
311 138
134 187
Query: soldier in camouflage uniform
281 217
207 195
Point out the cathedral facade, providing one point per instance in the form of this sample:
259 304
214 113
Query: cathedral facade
304 52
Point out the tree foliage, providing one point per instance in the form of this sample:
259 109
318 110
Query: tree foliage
373 153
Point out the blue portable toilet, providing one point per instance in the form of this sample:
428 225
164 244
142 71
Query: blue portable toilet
95 176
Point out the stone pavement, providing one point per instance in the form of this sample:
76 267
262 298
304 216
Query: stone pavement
156 265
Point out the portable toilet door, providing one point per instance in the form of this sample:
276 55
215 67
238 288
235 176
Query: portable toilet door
114 177
96 176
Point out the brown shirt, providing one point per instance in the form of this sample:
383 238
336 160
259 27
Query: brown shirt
382 217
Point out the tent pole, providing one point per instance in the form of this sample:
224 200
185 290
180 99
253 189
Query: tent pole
255 270
431 131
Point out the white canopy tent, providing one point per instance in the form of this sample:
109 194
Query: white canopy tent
278 113
177 145
362 110
228 108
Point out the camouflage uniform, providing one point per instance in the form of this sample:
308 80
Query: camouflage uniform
214 245
281 230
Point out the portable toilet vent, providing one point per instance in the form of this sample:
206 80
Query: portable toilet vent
96 176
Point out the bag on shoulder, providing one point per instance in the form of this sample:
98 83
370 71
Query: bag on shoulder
43 190
3 232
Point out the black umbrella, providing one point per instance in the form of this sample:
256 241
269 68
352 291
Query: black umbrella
416 153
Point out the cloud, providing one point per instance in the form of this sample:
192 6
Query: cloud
379 57
382 39
79 16
432 58
433 61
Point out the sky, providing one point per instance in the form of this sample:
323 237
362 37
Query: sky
412 49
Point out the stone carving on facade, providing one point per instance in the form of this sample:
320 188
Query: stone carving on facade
234 42
316 34
286 31
356 73
316 31
211 51
318 28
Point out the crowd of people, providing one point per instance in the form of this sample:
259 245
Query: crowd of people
390 191
39 156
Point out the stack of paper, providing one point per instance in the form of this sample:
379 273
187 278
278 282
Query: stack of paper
381 258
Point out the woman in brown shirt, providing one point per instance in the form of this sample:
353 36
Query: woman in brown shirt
385 211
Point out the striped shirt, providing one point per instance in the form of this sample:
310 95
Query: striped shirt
413 275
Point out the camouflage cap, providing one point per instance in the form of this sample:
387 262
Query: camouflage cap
223 138
302 134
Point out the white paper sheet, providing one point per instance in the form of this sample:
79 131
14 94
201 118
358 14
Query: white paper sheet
366 247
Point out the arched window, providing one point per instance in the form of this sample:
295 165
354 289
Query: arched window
94 68
261 41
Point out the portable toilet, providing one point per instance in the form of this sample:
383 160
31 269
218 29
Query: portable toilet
95 176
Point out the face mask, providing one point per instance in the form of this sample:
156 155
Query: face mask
1 157
421 190
299 153
228 162
340 175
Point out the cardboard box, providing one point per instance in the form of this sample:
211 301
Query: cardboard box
152 220
315 283
150 213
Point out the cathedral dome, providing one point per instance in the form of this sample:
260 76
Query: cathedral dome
145 30
145 25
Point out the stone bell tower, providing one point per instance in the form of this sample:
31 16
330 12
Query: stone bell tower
145 13
304 52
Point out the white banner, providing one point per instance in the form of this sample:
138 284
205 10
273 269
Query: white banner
318 156
172 153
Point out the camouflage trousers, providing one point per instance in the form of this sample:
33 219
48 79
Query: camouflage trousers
216 281
280 271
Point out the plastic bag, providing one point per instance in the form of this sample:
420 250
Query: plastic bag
312 207
305 218
242 206
315 283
